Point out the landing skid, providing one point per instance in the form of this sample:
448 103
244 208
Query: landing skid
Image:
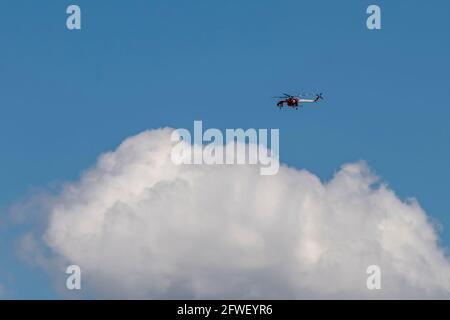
293 107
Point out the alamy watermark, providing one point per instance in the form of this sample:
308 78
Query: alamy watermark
240 147
373 22
73 21
374 279
73 281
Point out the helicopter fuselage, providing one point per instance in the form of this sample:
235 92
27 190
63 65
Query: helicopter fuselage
291 102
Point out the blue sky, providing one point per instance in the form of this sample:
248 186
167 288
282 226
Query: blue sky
68 96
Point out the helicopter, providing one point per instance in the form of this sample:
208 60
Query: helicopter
296 101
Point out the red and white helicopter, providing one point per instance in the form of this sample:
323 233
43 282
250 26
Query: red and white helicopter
296 101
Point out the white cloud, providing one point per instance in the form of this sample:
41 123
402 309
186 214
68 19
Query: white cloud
140 226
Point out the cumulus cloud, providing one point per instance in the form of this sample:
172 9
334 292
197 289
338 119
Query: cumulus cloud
140 226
